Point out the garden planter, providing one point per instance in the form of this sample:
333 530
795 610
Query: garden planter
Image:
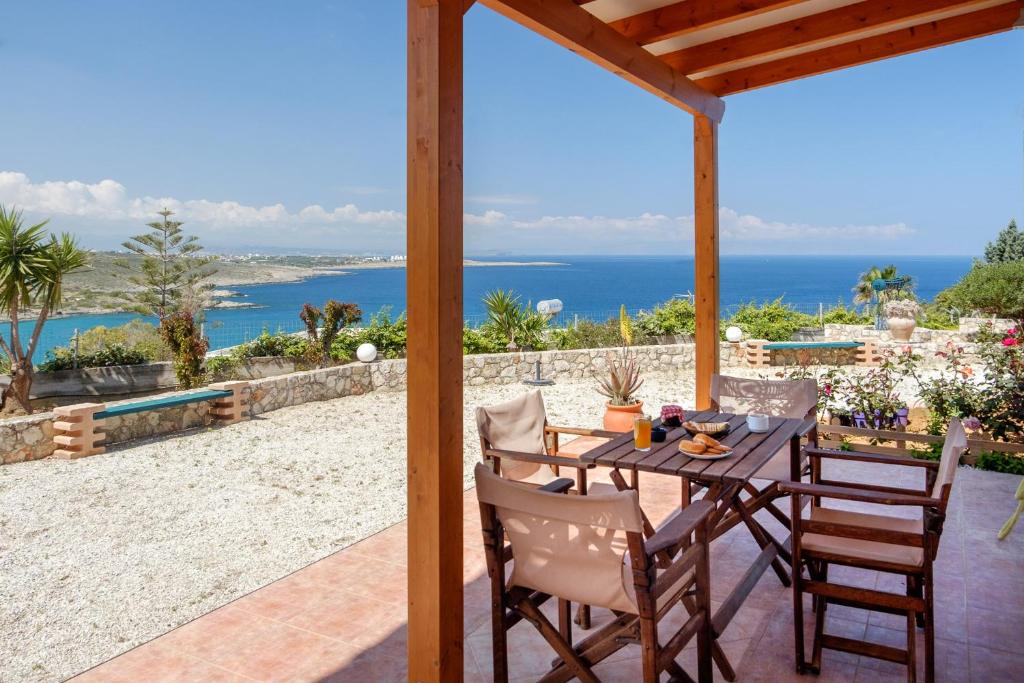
620 418
902 329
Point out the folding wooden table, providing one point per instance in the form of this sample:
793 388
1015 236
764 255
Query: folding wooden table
723 480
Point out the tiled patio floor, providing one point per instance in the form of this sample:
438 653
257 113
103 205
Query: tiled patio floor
343 618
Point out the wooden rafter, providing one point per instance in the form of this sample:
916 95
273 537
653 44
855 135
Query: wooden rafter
690 15
810 30
903 41
576 29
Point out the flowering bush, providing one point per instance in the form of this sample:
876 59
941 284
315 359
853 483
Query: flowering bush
954 393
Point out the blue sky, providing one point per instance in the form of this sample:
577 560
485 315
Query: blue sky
274 125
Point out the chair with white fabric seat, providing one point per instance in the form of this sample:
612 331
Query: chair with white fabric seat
592 550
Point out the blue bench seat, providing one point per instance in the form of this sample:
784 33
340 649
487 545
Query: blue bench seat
776 346
157 403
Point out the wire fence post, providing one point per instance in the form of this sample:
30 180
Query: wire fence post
74 358
821 314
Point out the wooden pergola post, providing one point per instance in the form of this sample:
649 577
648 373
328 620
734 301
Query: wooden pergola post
434 300
705 220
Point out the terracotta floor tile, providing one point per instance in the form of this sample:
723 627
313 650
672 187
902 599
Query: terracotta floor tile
352 618
344 618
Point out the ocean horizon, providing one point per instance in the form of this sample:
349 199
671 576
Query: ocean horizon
588 286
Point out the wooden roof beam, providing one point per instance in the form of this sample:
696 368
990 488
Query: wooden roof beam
581 32
690 15
904 41
806 31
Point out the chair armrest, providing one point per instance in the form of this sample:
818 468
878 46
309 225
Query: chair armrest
558 485
859 495
576 431
860 456
679 527
538 458
807 426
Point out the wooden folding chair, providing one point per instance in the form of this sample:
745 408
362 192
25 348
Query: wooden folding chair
778 398
592 550
874 542
533 452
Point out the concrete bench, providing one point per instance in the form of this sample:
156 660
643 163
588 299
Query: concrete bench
78 429
759 350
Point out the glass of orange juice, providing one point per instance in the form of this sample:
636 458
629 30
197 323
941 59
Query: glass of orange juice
642 433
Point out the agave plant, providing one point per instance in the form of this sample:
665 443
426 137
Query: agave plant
622 381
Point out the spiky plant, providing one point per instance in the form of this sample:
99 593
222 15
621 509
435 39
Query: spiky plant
622 381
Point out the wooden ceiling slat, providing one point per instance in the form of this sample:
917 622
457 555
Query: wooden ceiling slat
583 33
690 15
809 30
904 41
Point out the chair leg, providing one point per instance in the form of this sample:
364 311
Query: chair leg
798 618
914 590
929 623
911 647
649 649
717 653
819 621
565 620
499 644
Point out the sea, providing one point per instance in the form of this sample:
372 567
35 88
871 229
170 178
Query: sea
588 287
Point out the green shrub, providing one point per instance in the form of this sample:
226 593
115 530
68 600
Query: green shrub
63 358
223 367
279 344
993 288
137 335
322 327
181 333
587 334
840 314
474 341
510 322
675 316
389 336
1011 463
774 320
935 316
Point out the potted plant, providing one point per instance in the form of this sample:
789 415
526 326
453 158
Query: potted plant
620 385
901 318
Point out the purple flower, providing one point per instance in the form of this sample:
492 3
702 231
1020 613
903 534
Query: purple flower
972 423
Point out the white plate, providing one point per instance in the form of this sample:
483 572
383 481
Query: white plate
707 456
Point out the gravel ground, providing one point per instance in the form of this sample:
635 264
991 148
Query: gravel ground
100 554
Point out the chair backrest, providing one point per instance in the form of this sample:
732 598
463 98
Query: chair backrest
796 398
952 449
516 425
572 547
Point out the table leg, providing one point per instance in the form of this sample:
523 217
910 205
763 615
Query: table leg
763 540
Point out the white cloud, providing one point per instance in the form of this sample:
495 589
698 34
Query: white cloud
347 227
501 199
109 200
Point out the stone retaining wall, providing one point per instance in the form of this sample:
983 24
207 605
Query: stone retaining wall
31 438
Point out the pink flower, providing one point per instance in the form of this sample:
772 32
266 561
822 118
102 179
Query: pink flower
1010 341
1012 331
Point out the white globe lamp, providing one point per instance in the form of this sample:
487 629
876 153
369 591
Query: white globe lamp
733 334
366 352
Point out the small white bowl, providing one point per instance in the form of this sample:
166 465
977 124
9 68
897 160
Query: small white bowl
757 423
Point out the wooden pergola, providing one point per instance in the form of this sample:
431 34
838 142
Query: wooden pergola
690 53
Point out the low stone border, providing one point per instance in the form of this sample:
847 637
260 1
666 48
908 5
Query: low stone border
32 437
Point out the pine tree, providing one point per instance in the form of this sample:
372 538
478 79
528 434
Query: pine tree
1008 245
172 272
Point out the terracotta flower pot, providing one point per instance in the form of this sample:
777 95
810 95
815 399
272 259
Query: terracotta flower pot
620 418
901 328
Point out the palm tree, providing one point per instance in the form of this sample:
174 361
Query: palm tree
32 270
864 291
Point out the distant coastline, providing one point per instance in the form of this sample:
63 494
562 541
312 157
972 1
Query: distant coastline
230 273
